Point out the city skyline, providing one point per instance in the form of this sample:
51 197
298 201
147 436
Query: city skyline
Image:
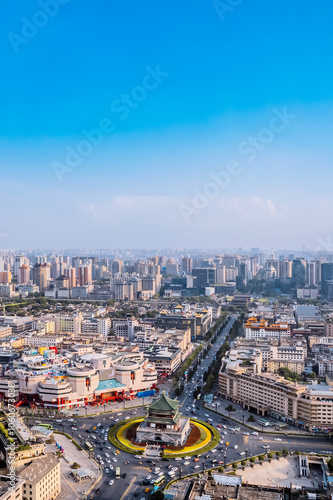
144 126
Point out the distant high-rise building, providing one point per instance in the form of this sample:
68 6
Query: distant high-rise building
187 265
311 273
286 269
84 275
40 276
24 275
326 275
299 267
116 267
5 277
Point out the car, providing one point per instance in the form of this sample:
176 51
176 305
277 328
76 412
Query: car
108 447
127 462
214 451
246 433
117 451
196 467
206 415
146 490
99 424
196 460
111 482
185 463
255 434
111 467
97 491
107 454
119 413
71 420
178 458
219 426
207 456
38 422
225 433
74 428
107 471
148 478
277 439
266 446
235 447
213 461
210 420
99 457
114 460
127 418
58 421
108 460
242 453
137 456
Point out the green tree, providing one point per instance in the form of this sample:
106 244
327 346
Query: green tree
234 466
230 409
285 452
251 419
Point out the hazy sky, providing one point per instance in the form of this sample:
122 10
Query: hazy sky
166 123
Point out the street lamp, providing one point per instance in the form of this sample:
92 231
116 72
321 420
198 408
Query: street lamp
246 453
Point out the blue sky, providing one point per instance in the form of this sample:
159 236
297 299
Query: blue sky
222 80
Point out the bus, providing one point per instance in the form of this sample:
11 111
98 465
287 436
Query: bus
263 422
88 446
117 472
159 481
47 426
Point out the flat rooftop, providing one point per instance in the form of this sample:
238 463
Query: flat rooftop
37 470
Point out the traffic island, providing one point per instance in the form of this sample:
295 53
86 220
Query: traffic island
202 438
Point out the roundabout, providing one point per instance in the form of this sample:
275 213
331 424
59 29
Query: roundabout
202 438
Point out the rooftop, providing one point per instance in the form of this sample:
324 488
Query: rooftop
37 470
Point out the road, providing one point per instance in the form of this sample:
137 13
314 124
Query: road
240 445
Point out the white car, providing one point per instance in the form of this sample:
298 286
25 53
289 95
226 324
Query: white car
235 447
108 460
119 413
111 467
196 467
186 463
58 421
277 439
114 460
71 420
127 418
148 477
107 455
137 456
246 433
206 415
99 424
178 458
225 433
111 482
242 453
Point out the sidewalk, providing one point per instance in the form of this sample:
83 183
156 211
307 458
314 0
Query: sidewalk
240 416
69 488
